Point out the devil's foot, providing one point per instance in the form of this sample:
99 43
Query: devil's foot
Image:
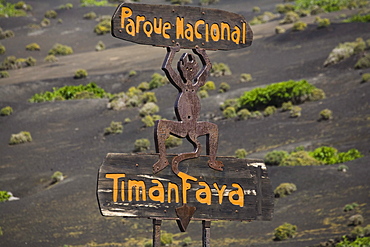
160 165
215 164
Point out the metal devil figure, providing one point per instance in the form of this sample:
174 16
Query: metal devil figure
196 187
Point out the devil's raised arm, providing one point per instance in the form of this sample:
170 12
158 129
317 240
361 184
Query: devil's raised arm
207 65
171 74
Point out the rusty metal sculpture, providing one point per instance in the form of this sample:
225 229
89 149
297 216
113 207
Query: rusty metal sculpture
187 109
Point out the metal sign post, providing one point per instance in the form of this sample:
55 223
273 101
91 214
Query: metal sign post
197 187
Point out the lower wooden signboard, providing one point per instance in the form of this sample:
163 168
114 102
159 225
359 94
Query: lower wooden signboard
127 187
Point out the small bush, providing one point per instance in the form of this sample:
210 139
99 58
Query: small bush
57 177
290 17
287 106
256 115
284 8
317 94
50 59
363 62
141 145
80 73
244 77
90 16
279 30
321 23
300 158
229 112
275 157
365 77
358 18
149 109
256 9
203 94
220 69
299 26
342 168
157 81
285 189
295 112
263 18
269 111
114 128
285 231
89 3
32 47
230 102
209 85
4 74
2 49
66 6
100 46
21 137
173 141
4 196
45 22
148 121
224 87
243 114
355 220
51 14
133 73
59 49
344 51
6 111
326 114
350 207
241 153
103 27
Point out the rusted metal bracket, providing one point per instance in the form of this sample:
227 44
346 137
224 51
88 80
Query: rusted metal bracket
184 213
157 232
187 108
206 233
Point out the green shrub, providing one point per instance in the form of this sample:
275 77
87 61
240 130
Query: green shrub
209 85
80 73
89 3
256 9
2 49
358 18
299 26
284 8
157 81
66 6
275 157
148 97
243 114
285 231
4 196
327 6
114 128
166 238
207 2
57 177
21 137
13 10
256 115
330 155
342 168
230 102
32 47
103 27
290 17
365 77
148 109
287 106
203 94
351 154
69 93
229 112
241 153
300 158
269 111
344 51
50 59
276 94
265 17
133 73
181 2
90 16
143 86
4 74
224 87
355 220
317 94
173 141
350 207
45 22
59 49
279 29
148 121
100 46
220 69
6 111
295 112
141 145
51 14
363 62
359 242
11 62
321 23
326 114
244 77
285 189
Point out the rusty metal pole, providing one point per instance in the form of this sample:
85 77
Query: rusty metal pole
157 232
206 231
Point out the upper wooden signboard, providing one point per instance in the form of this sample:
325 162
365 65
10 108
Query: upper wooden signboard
166 25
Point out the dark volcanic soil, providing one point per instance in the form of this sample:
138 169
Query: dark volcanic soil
68 135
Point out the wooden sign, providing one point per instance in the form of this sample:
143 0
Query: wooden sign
128 188
166 25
